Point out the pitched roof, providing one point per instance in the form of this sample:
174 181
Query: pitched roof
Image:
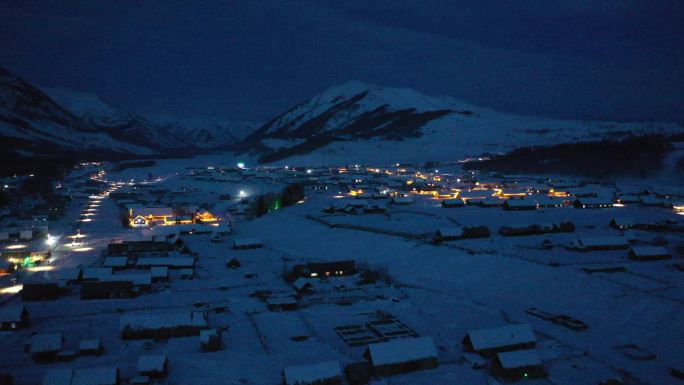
519 359
402 350
485 339
309 374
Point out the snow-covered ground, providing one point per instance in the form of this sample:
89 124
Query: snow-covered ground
438 290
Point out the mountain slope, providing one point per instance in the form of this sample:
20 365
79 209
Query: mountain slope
207 132
163 134
33 122
357 123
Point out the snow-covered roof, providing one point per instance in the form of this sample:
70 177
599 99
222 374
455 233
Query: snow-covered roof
207 334
402 350
93 344
603 241
152 363
524 202
302 282
484 339
95 376
159 271
450 232
650 251
168 320
311 373
135 278
519 359
96 272
241 242
41 343
115 262
11 313
166 261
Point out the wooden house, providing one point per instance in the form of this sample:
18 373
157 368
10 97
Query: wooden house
520 204
106 289
40 291
322 373
210 340
454 202
592 203
402 355
153 366
600 243
45 346
325 269
13 317
168 325
247 243
488 342
92 346
448 234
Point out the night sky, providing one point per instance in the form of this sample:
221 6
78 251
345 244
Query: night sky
251 60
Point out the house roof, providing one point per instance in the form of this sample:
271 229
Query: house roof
519 358
401 350
485 339
309 374
206 335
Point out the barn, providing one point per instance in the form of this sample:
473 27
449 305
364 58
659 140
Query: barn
402 356
488 342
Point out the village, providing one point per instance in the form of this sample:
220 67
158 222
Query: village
212 271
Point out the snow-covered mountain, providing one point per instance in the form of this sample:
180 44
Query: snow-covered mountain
30 121
207 132
357 122
163 134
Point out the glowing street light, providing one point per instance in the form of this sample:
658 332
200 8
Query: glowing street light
51 240
241 165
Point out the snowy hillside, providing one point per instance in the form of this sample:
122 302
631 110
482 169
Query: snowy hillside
29 119
358 122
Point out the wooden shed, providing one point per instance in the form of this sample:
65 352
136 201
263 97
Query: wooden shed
488 342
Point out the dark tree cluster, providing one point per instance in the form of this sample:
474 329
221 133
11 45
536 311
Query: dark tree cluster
635 156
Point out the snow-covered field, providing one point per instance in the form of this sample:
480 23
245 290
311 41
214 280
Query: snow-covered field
439 290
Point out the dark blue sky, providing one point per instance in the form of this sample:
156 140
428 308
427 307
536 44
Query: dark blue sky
253 59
